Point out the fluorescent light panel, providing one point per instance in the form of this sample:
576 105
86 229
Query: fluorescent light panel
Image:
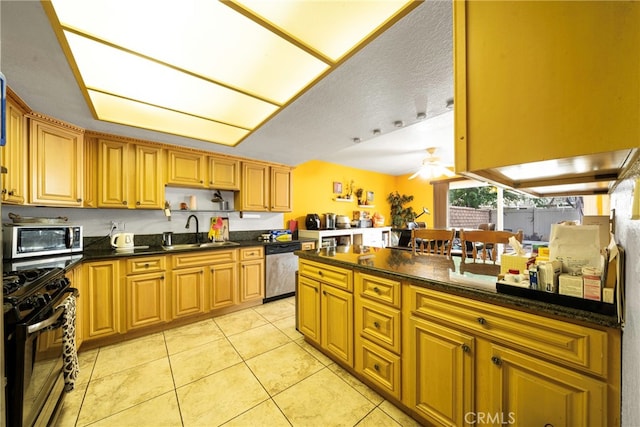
188 62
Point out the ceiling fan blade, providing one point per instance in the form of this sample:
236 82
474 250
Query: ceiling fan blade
415 174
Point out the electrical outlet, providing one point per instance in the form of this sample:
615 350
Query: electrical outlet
117 226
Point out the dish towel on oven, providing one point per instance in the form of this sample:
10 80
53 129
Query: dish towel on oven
69 351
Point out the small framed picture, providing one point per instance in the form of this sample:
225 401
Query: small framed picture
369 196
337 187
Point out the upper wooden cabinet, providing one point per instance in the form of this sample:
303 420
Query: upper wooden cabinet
264 188
149 179
224 173
56 163
534 82
14 156
113 174
186 168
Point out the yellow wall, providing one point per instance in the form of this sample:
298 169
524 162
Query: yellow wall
313 191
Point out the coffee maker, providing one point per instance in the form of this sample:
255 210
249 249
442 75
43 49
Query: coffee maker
312 222
330 221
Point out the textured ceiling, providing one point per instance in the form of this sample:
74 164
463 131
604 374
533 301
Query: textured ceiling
405 71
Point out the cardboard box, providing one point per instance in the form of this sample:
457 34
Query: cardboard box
570 285
516 262
592 283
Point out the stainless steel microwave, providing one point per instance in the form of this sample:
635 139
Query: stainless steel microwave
22 241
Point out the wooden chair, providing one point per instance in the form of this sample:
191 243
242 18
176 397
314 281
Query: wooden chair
432 241
484 244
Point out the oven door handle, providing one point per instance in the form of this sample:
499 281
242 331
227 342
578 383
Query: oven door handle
32 329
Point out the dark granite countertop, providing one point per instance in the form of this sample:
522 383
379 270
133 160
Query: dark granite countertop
443 274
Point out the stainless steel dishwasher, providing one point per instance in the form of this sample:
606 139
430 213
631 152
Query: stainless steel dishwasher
281 269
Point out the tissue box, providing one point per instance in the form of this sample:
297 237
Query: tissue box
515 262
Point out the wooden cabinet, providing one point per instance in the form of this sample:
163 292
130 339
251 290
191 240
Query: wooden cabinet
91 174
438 374
146 292
56 163
281 189
187 291
14 156
222 284
252 274
113 174
186 168
325 308
102 305
487 359
224 173
264 188
378 331
520 92
149 177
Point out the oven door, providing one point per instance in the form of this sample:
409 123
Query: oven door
36 391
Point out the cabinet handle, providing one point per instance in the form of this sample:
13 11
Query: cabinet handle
376 290
324 292
4 191
376 324
315 289
78 200
213 269
11 193
376 367
124 202
201 182
481 320
146 265
319 272
161 277
496 360
466 348
138 203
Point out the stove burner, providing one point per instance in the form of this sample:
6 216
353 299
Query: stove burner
19 283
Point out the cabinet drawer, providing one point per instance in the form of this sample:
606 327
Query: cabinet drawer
379 366
254 252
580 346
203 258
145 265
336 276
378 323
379 289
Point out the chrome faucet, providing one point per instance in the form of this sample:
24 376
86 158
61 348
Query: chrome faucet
197 226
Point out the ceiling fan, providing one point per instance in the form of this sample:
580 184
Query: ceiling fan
432 167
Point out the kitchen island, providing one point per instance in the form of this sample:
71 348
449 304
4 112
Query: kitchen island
449 349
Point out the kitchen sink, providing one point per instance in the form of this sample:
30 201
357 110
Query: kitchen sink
198 245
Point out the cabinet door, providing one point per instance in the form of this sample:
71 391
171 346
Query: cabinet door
101 302
149 181
223 285
336 313
281 190
224 173
146 300
91 174
56 164
254 193
438 373
187 291
251 280
113 174
517 86
309 308
14 157
185 168
527 391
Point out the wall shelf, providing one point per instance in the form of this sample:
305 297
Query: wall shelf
367 206
340 199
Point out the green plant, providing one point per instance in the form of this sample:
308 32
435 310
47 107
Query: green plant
400 215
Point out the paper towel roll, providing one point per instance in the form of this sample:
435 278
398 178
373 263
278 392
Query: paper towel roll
193 203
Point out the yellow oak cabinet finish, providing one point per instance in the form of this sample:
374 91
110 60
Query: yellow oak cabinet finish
149 177
264 188
326 308
14 156
113 174
521 93
91 173
251 273
224 173
222 284
187 285
56 164
102 303
146 292
185 168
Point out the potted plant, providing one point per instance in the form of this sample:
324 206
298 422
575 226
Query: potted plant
400 215
358 194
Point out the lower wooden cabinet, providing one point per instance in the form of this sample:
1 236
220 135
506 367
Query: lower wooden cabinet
102 306
325 312
251 274
223 285
146 292
187 291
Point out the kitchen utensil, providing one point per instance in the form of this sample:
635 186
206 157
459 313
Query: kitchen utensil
17 219
343 221
122 241
312 222
167 238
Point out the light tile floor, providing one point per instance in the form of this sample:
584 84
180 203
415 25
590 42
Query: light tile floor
249 368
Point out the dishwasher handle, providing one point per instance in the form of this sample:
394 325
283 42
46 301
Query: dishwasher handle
282 248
